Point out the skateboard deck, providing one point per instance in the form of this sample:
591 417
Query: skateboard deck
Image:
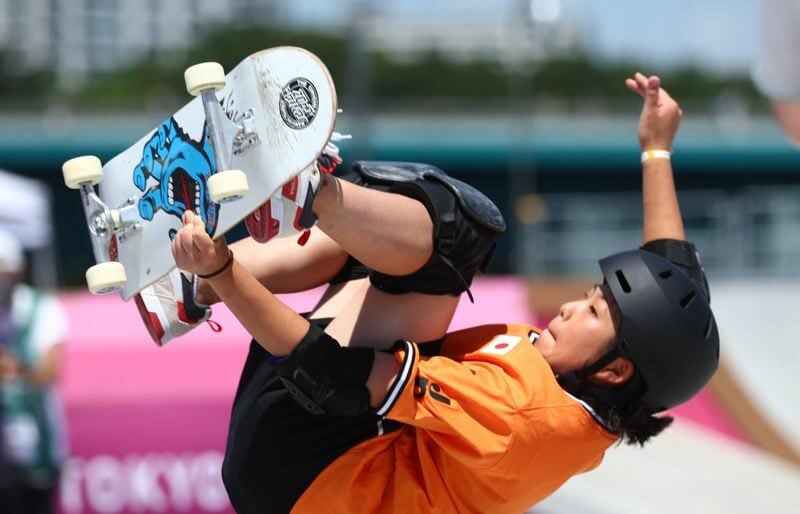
279 109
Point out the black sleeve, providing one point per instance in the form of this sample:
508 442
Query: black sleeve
684 255
325 378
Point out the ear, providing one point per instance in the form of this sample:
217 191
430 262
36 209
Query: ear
616 372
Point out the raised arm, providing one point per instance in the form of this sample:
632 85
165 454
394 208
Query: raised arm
657 127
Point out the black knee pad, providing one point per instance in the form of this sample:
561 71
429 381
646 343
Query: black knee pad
380 175
466 226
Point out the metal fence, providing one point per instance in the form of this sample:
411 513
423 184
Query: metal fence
751 232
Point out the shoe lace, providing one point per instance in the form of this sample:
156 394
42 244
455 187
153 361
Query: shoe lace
215 326
329 159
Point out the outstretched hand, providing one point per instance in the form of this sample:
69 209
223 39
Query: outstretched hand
660 116
194 250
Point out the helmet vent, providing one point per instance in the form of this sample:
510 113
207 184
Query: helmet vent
623 282
686 300
665 274
709 326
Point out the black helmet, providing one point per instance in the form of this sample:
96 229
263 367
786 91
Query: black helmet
667 327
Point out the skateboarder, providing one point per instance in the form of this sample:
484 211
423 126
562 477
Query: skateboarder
33 328
367 405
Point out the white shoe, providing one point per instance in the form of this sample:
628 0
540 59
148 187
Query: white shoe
168 307
288 211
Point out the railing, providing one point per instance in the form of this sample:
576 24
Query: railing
753 231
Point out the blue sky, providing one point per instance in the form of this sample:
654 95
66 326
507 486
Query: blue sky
716 33
720 34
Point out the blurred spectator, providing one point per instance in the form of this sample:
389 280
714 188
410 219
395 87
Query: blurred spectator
32 329
777 68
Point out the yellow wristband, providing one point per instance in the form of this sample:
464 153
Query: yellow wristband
655 154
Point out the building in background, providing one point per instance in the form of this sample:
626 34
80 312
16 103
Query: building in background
510 35
78 37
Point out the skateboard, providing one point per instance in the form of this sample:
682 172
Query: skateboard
222 155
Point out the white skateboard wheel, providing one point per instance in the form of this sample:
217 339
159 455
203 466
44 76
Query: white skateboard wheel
86 169
106 277
206 75
227 186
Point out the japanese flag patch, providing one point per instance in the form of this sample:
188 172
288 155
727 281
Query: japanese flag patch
501 345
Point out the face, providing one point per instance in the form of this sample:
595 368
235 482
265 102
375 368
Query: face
580 334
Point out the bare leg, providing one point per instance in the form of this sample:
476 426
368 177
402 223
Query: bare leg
366 316
392 234
387 232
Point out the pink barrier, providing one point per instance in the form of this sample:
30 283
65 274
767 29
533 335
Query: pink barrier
148 425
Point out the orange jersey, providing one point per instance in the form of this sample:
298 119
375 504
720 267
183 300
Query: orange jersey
487 429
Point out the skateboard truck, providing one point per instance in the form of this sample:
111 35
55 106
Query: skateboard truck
225 184
247 135
126 219
105 224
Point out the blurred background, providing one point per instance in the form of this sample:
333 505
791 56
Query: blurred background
524 99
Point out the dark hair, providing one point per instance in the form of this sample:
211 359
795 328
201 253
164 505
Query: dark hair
634 423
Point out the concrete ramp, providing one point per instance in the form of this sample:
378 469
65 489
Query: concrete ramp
686 470
759 382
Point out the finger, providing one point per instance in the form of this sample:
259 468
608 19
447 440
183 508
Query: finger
198 222
177 253
201 241
633 86
641 80
197 226
181 259
651 91
654 85
185 236
185 240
